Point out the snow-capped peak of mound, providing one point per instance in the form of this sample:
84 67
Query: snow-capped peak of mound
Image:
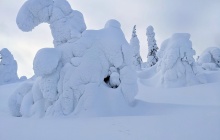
46 61
113 23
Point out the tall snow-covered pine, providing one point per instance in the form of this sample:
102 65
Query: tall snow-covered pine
134 42
152 46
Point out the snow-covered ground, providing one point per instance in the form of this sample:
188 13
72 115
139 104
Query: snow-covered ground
189 113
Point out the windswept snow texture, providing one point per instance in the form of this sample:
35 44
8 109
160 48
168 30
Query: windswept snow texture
210 59
80 58
176 66
8 67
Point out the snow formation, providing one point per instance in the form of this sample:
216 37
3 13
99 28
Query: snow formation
134 42
66 24
210 59
80 58
8 68
152 47
176 66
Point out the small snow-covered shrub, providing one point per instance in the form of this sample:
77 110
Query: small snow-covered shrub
210 59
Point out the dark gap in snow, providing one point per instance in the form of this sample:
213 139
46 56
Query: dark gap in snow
107 80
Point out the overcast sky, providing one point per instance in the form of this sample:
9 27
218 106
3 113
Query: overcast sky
200 18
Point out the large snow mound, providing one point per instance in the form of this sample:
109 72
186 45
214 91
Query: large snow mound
80 57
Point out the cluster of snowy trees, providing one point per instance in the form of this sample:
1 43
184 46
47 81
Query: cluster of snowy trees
81 58
209 59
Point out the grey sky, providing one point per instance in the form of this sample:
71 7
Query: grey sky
200 18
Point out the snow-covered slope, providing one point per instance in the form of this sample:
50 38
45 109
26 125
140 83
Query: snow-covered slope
189 113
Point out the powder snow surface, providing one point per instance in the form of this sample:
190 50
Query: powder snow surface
189 113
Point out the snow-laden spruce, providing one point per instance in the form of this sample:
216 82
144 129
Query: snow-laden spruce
134 42
210 59
80 58
152 47
176 66
8 68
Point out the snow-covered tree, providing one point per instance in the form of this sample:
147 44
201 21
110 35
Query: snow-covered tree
210 59
134 42
152 47
81 59
8 67
176 65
